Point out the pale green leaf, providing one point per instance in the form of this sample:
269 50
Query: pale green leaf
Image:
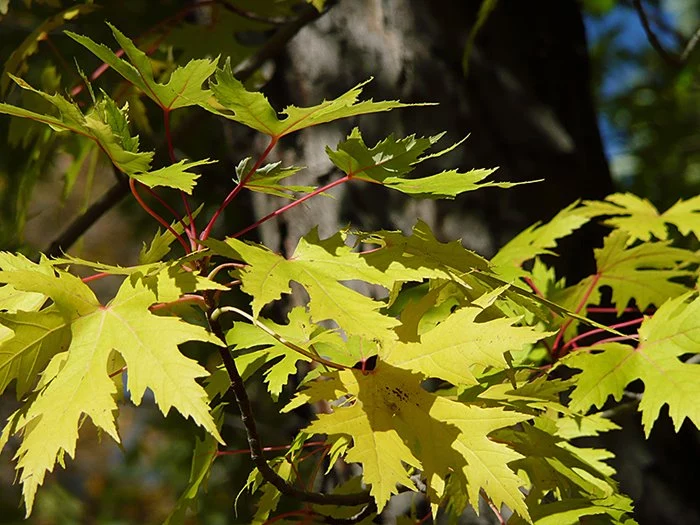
640 219
390 160
93 125
536 240
647 273
184 88
267 179
418 256
392 421
446 184
281 359
159 247
319 266
82 386
173 176
13 300
37 337
453 346
606 369
252 109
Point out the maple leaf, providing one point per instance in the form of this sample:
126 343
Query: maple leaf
459 342
184 88
606 369
174 176
641 220
159 247
642 273
81 386
168 280
392 421
299 331
37 337
558 469
419 256
319 266
11 299
252 108
266 179
101 125
536 240
390 160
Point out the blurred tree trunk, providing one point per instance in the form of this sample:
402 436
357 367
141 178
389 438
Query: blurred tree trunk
526 102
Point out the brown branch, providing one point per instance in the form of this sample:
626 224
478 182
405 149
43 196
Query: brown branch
277 42
83 222
256 449
651 36
116 193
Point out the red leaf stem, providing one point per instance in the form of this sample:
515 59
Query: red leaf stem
581 304
600 330
291 205
191 228
161 221
95 277
235 191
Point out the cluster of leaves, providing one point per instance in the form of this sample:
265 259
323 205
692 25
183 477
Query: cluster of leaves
461 378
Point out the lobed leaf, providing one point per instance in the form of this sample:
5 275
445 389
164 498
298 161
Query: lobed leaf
536 240
252 108
319 266
81 386
390 160
647 273
606 369
184 88
640 219
392 421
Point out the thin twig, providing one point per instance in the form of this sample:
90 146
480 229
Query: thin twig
651 36
256 449
690 45
291 205
314 357
277 42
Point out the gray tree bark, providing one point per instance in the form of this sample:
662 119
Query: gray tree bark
526 103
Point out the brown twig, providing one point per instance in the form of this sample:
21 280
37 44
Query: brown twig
256 449
670 58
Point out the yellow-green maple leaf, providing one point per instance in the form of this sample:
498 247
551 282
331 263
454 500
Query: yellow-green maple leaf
395 423
640 219
536 240
253 109
453 346
606 369
319 266
644 273
81 385
184 88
